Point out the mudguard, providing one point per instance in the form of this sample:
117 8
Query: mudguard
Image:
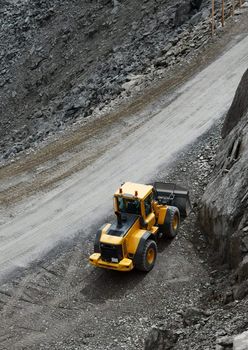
97 239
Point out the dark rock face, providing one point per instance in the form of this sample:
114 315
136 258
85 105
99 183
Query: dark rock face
225 343
182 13
186 10
160 338
193 315
238 107
196 4
51 74
223 212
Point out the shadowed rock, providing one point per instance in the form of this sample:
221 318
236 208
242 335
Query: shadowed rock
160 338
186 10
196 4
238 108
223 211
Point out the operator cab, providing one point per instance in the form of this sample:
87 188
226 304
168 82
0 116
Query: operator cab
134 199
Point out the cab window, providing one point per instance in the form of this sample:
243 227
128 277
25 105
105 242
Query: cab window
130 206
148 205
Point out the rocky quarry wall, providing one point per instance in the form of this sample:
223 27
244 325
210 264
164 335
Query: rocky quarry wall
223 213
62 62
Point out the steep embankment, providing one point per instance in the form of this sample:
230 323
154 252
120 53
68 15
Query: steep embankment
60 61
224 210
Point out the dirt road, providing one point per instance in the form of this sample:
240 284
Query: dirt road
137 156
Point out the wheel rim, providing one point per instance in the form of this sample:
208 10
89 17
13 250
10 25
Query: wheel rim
175 222
150 256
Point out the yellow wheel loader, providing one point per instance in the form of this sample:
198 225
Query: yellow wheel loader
144 213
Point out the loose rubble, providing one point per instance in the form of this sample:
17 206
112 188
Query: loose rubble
51 78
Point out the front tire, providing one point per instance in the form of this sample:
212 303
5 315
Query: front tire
146 260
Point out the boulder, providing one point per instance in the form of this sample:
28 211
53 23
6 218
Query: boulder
192 315
241 291
160 338
240 342
196 18
196 4
186 10
182 13
225 342
116 6
243 269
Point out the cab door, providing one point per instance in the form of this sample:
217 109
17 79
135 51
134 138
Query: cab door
149 216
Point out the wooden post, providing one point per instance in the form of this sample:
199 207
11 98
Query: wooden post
223 13
213 21
233 7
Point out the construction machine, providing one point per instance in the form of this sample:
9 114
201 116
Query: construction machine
145 213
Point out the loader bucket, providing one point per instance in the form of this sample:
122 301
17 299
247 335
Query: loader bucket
175 195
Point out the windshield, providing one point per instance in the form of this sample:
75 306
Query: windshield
127 205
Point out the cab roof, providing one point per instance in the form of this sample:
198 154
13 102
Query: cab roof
128 189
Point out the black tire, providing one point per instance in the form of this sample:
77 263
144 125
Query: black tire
171 224
146 260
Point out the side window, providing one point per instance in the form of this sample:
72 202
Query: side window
148 205
121 204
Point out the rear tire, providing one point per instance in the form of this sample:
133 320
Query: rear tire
171 224
146 260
